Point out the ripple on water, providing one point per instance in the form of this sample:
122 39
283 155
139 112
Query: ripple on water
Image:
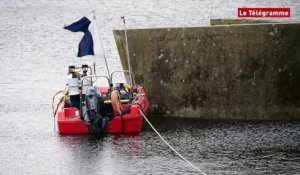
35 54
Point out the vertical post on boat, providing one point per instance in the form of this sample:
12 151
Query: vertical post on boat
94 18
94 65
127 52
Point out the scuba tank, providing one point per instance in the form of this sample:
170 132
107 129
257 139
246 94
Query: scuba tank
86 82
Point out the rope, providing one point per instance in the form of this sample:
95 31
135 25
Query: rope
188 162
60 101
52 104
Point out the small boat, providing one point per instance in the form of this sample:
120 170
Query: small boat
86 108
133 99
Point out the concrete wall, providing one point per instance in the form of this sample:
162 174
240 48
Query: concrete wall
219 72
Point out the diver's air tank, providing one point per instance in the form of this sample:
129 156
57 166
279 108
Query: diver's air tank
87 82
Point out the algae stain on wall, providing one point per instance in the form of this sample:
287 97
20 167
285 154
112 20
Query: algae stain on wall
219 72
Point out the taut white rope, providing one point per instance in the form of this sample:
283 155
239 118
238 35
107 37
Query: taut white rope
170 145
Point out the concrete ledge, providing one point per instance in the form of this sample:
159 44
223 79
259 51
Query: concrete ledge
238 21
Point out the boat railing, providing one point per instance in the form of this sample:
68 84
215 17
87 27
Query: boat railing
91 77
120 71
95 76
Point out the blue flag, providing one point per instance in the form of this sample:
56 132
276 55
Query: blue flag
89 44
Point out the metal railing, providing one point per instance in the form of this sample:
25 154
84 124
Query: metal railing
123 71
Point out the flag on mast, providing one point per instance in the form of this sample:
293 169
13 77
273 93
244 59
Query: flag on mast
90 42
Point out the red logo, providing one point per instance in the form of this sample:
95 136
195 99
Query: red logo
264 12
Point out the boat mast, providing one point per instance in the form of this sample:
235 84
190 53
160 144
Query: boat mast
127 52
94 18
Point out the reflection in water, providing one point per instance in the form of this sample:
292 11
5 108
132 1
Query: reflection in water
91 154
30 146
215 147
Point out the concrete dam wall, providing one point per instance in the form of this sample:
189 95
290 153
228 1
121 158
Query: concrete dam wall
219 72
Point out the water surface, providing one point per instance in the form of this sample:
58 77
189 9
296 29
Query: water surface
35 53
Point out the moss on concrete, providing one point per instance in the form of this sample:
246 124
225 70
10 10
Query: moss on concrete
221 72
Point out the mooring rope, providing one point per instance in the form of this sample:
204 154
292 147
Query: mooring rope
188 162
60 101
53 99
